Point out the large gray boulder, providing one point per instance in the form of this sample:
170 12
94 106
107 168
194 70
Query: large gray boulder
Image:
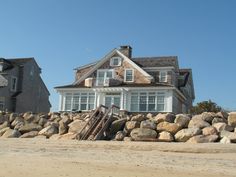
11 134
49 131
203 139
232 119
182 120
143 134
168 117
207 116
148 124
31 134
198 123
185 134
169 127
165 137
76 126
222 126
117 125
63 128
28 127
16 121
222 114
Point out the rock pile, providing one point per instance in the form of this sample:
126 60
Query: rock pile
204 128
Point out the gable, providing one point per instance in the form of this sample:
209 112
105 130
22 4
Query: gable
105 64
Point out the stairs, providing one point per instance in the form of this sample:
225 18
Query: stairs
98 123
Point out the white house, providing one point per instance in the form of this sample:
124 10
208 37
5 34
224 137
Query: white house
144 84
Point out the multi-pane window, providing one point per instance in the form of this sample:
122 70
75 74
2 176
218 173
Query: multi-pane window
147 101
129 75
163 76
115 61
79 101
102 75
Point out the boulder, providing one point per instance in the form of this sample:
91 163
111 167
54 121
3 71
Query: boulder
127 139
218 119
120 136
209 131
16 121
69 136
29 117
198 123
138 117
230 135
149 116
169 127
31 134
76 126
165 137
42 121
11 134
225 140
148 124
63 128
143 134
222 126
207 116
232 119
66 120
203 139
182 120
4 125
130 125
19 125
117 125
12 117
185 134
2 131
222 114
168 117
49 131
28 127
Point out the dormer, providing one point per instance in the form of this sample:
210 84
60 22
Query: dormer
4 64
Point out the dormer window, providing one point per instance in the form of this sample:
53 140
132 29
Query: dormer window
115 61
129 75
163 76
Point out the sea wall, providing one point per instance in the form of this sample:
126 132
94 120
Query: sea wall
203 128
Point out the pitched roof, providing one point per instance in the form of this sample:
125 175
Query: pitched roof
157 61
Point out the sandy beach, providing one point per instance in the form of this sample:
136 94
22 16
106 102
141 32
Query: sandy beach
54 158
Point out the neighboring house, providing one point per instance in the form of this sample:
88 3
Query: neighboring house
21 87
146 84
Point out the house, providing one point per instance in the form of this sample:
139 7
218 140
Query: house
144 84
21 87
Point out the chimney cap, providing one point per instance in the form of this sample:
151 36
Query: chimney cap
125 47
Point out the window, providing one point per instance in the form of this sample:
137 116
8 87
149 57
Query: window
13 84
115 61
104 74
79 101
2 103
129 75
1 67
163 76
147 101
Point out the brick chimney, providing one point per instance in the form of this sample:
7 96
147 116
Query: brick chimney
126 50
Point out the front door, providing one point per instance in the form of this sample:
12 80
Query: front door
112 99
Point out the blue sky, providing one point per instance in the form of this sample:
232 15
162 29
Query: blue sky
62 35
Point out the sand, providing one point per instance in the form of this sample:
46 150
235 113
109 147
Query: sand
67 158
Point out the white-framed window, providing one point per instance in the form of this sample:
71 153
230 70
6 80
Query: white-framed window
103 74
129 75
147 102
79 101
2 103
115 61
163 76
13 83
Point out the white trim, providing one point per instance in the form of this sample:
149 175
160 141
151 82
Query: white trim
112 61
166 74
126 73
159 68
